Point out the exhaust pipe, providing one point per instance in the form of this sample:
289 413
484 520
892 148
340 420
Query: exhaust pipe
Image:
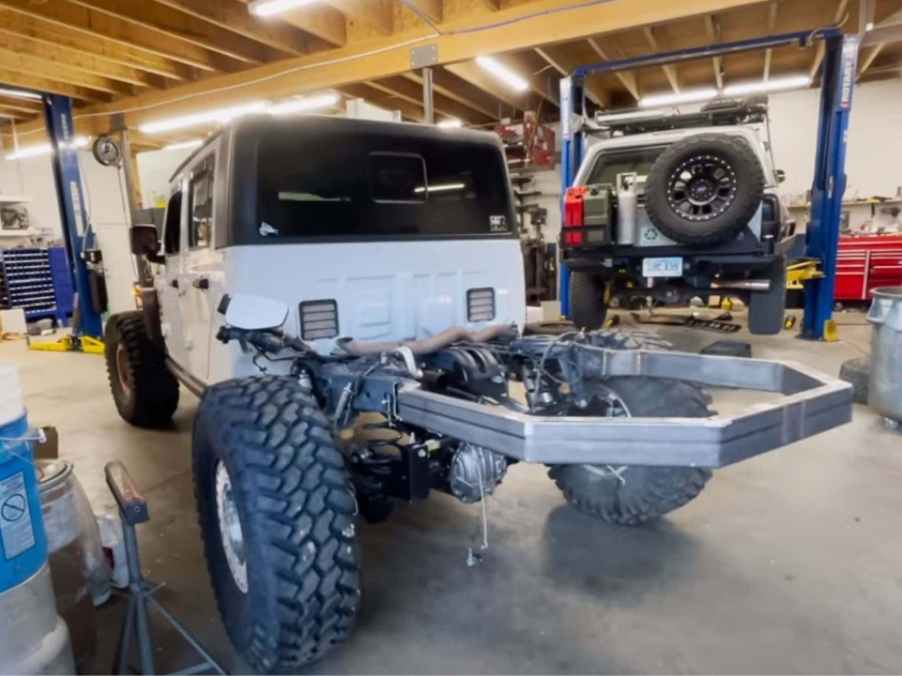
744 285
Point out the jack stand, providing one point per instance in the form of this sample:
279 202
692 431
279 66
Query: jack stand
136 626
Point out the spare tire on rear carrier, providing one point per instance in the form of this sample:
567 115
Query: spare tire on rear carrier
704 189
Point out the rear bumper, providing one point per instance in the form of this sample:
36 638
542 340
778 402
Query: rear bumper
810 403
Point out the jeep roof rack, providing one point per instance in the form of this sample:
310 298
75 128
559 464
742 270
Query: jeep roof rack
718 112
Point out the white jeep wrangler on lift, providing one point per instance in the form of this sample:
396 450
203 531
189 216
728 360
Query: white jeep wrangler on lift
321 275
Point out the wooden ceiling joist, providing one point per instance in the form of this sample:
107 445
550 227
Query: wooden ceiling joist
867 60
22 105
821 49
233 16
773 11
712 29
50 35
52 86
627 78
670 70
412 93
473 74
161 20
434 10
564 64
374 14
31 65
70 58
102 26
454 88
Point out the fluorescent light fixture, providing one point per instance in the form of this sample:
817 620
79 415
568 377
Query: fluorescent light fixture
19 94
184 145
271 7
45 149
219 115
503 73
773 85
694 96
304 105
869 26
450 123
441 187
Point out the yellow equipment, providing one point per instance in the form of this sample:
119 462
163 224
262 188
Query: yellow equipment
68 344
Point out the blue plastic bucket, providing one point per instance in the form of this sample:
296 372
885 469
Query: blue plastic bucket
23 542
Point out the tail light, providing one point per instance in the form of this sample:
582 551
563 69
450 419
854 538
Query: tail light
574 215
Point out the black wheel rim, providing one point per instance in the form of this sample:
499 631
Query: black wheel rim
702 188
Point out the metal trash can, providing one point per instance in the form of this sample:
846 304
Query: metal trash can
885 385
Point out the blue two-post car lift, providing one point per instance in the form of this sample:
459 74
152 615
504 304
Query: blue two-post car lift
838 83
88 328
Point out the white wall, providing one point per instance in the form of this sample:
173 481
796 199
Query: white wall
154 169
874 162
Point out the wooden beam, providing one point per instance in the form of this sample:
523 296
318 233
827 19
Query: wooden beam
516 27
773 11
669 69
377 14
627 78
14 114
24 105
476 76
233 16
374 97
434 10
457 90
712 28
821 50
70 58
545 84
559 59
868 60
50 36
43 84
413 93
101 26
31 65
159 20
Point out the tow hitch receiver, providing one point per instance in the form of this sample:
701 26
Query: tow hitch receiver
809 403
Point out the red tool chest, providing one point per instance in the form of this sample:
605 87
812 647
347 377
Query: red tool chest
865 263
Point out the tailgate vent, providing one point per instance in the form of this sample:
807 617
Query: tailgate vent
481 305
319 319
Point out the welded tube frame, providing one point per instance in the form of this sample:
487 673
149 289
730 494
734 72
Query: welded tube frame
811 403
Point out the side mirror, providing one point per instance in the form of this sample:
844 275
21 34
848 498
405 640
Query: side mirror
253 313
145 241
780 175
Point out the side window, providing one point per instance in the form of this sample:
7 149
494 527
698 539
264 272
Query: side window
200 230
173 232
397 177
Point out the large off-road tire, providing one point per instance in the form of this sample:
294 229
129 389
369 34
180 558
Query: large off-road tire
588 305
704 189
145 392
767 309
632 495
278 517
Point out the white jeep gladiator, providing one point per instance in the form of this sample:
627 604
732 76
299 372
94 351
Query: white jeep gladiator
347 299
667 208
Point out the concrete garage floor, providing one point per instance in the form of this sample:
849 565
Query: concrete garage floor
786 563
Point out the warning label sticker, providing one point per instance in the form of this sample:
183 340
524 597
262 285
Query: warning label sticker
16 530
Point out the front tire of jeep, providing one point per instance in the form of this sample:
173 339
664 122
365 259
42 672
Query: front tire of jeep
767 308
632 495
277 514
145 392
588 306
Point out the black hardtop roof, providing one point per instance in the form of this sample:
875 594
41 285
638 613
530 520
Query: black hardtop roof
255 125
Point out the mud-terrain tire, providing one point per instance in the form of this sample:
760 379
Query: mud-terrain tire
634 494
857 372
277 514
727 172
767 309
588 308
145 392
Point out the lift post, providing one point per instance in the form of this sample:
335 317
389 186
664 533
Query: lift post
73 214
838 83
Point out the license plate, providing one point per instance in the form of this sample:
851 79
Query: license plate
671 266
